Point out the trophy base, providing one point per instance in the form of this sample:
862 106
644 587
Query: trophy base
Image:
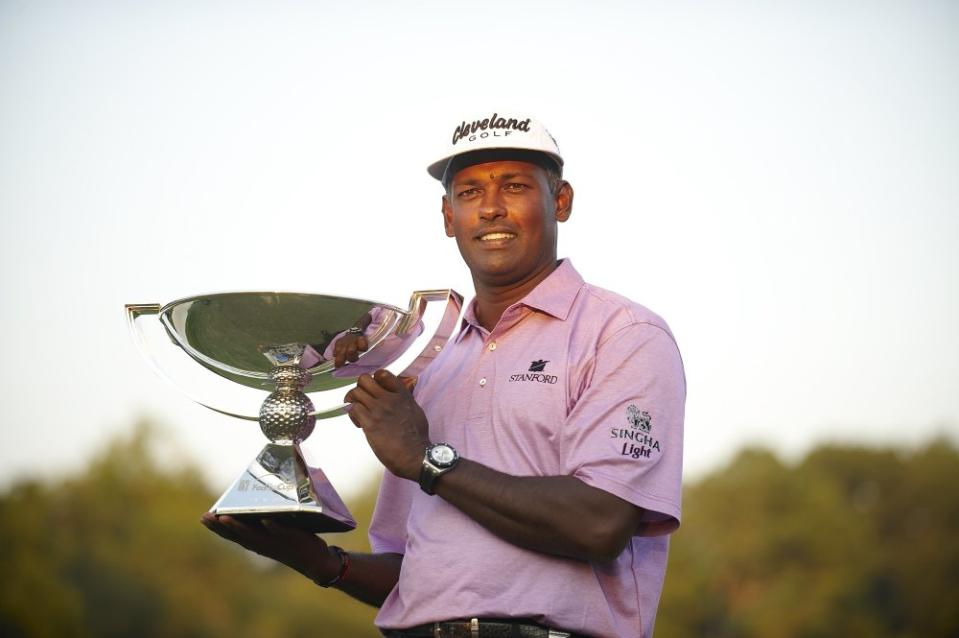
279 486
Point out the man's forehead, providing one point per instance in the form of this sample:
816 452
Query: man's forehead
501 169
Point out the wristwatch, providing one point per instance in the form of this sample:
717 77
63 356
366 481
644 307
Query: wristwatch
439 459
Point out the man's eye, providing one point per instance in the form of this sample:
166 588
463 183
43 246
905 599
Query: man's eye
469 192
515 187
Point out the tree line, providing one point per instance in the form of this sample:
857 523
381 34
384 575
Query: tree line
850 541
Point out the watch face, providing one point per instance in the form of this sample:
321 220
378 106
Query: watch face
442 455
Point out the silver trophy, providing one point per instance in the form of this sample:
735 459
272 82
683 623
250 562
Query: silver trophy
283 345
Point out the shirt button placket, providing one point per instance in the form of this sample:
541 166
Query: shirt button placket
490 347
482 382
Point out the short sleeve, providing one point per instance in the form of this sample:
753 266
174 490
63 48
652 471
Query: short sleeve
624 435
388 526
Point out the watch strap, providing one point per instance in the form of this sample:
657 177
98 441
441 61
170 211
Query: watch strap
428 475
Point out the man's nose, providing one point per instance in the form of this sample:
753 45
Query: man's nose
492 205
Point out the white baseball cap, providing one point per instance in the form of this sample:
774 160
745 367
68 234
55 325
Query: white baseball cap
507 131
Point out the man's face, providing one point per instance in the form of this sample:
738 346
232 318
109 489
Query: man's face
504 217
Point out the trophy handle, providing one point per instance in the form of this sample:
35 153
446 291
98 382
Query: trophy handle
445 329
418 302
133 312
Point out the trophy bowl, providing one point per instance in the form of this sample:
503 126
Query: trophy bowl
284 345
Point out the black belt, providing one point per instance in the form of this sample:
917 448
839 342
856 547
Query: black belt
475 628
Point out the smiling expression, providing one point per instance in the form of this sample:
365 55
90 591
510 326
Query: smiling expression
504 218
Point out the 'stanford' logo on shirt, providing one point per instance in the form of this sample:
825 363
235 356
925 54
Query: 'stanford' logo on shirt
535 374
537 366
507 125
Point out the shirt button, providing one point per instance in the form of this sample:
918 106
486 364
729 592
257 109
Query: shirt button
492 345
483 381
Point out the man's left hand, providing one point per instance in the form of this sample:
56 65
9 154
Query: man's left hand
394 424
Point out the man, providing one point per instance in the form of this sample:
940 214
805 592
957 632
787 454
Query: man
552 425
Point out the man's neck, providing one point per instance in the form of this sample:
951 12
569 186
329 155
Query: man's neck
493 300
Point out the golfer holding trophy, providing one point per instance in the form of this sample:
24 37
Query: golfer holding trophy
533 473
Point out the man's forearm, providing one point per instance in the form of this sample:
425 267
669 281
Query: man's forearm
369 577
558 515
555 515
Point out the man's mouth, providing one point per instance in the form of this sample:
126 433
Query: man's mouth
496 236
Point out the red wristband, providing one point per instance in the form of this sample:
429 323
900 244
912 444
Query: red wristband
344 566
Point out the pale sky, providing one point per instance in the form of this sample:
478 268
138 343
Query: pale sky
778 180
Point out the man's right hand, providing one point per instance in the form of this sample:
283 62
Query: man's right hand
294 547
371 576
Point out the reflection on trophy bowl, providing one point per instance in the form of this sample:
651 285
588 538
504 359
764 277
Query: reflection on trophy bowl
286 344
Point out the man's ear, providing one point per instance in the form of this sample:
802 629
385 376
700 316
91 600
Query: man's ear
564 202
447 217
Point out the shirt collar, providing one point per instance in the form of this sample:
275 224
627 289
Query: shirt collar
554 295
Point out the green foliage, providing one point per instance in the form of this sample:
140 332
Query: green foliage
850 542
120 551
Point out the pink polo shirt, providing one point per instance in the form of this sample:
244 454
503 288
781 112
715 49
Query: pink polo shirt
573 380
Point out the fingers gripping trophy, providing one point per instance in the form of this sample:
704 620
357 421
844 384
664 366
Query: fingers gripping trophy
292 348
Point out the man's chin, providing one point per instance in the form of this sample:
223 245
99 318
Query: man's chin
492 267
